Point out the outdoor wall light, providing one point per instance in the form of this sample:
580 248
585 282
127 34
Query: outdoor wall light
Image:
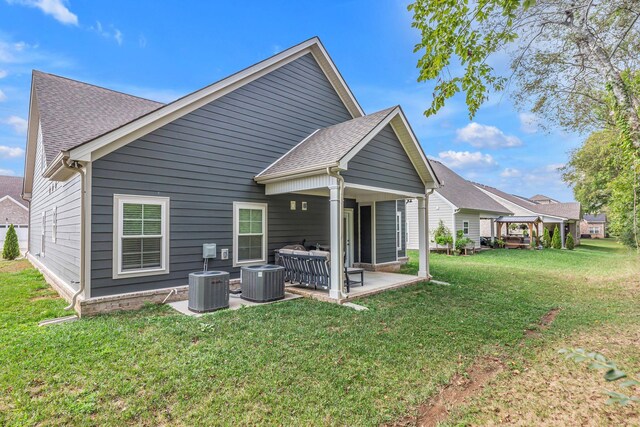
304 206
292 205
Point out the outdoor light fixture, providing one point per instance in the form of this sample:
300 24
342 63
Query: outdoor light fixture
304 206
292 205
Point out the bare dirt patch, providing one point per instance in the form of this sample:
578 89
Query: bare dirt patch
14 266
462 387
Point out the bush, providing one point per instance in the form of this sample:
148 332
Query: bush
546 238
442 236
462 242
568 243
11 249
556 241
534 237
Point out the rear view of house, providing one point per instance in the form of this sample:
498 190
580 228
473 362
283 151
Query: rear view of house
594 226
125 191
13 210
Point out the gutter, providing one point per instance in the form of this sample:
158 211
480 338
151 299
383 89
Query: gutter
75 167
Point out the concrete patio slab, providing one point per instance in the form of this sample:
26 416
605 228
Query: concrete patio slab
235 303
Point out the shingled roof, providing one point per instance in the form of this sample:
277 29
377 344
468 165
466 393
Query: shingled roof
12 186
595 217
72 112
327 146
462 193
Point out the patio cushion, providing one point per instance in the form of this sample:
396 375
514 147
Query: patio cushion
286 251
300 253
325 254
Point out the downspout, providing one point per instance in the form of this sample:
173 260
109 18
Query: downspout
77 168
340 178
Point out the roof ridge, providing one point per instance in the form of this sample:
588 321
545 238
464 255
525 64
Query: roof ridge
96 86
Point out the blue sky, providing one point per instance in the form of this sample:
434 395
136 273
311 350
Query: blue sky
163 50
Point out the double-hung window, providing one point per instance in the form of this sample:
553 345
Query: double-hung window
141 236
249 233
465 227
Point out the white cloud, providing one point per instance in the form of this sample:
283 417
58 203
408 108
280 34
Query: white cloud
3 74
481 136
3 97
553 167
510 173
56 8
18 123
467 160
7 172
111 33
528 122
10 152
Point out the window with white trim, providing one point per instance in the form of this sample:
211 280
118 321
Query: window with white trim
249 233
594 230
141 235
54 224
465 227
399 231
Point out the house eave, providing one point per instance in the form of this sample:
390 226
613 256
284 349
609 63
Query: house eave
294 174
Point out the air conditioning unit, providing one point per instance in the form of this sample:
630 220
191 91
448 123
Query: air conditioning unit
262 283
208 291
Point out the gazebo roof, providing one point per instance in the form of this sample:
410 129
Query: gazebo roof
518 219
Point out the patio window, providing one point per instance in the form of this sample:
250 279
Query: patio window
465 227
249 233
141 236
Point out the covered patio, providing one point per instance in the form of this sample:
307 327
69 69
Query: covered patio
513 241
371 162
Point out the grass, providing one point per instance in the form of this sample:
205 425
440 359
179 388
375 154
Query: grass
302 362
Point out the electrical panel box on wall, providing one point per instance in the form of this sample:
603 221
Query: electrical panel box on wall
224 253
209 250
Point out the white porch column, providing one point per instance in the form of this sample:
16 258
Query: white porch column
492 221
423 236
562 236
337 260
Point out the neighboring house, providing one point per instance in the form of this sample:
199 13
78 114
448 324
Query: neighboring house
594 226
566 216
541 199
13 210
458 203
125 191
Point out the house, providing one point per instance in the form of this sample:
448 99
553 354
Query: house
458 204
13 210
594 226
541 199
566 216
125 191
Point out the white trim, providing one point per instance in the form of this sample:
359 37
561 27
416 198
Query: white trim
14 201
463 227
265 241
454 207
374 243
348 214
285 154
43 232
54 224
86 225
118 201
364 141
399 193
398 230
121 136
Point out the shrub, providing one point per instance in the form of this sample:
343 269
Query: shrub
556 241
546 239
568 243
462 242
534 237
11 249
499 243
442 236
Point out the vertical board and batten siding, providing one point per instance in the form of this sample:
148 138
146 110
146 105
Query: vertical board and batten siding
386 232
384 163
205 161
439 209
474 225
411 224
401 207
62 257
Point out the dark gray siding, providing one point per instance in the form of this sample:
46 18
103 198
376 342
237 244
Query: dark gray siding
401 207
384 163
386 232
205 161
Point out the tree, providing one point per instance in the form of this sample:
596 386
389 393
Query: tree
442 236
11 249
568 243
571 59
556 241
546 238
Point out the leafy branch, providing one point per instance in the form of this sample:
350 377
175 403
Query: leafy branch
600 362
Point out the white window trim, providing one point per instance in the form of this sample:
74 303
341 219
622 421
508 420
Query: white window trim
398 230
43 232
465 226
118 201
250 205
54 224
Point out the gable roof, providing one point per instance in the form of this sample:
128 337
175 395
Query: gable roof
12 186
462 193
72 112
334 146
595 217
542 198
561 210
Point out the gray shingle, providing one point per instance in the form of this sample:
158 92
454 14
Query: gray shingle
595 218
12 186
462 193
328 145
72 112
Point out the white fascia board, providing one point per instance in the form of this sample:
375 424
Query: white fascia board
117 138
32 142
284 155
399 194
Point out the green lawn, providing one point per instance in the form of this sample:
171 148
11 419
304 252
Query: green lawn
302 362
